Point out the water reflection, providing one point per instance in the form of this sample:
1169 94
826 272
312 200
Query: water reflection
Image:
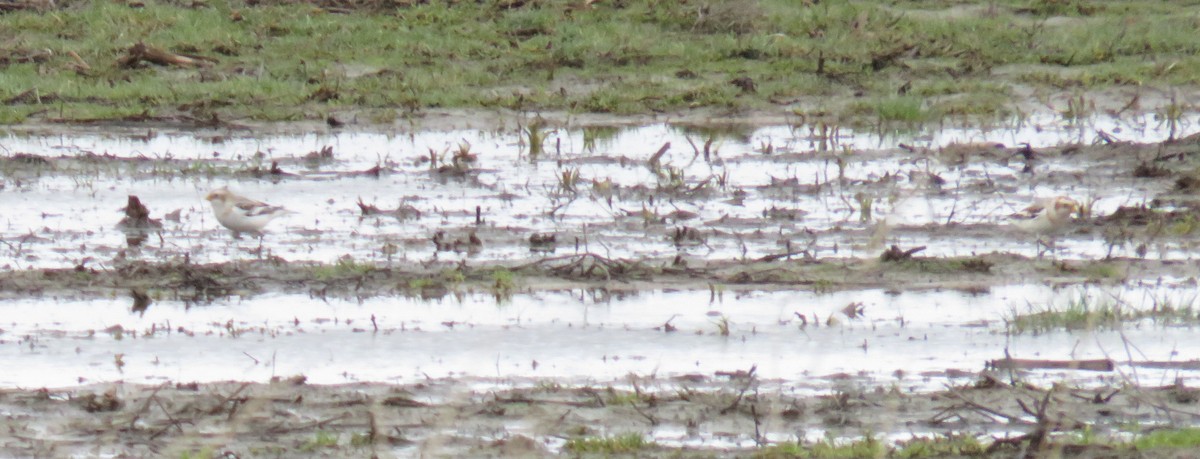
591 334
595 187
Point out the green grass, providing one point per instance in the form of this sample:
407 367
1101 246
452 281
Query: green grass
503 281
1101 271
618 444
346 267
822 286
438 285
1169 438
283 61
900 109
1185 226
320 440
452 276
969 446
947 265
1079 314
1088 314
868 447
947 446
361 439
202 453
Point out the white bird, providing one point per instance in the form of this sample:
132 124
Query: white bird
1046 217
241 214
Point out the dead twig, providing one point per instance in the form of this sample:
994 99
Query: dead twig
749 377
778 256
969 403
141 52
653 421
1033 364
81 66
587 266
319 424
145 405
895 254
223 400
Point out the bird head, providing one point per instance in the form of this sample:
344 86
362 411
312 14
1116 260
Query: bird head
1066 206
219 194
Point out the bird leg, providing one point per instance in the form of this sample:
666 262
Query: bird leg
1043 246
1050 246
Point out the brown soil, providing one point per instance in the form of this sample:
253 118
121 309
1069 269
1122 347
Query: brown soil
448 418
196 282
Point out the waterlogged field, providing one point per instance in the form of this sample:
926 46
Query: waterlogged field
726 228
726 192
665 288
911 341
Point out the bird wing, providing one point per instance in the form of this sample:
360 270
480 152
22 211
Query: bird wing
1030 212
253 208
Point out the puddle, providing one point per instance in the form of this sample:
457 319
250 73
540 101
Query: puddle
66 216
61 218
904 340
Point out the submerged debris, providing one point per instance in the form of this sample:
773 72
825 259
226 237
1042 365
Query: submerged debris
137 215
687 236
274 172
325 154
854 310
1030 364
589 266
470 244
29 159
137 224
93 403
141 301
1188 182
542 242
895 254
781 213
1148 170
1145 216
403 212
457 165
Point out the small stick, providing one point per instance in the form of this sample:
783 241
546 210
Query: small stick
145 405
82 64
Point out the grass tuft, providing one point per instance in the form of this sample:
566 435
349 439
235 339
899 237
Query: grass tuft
619 444
901 109
1169 438
1084 313
867 447
940 446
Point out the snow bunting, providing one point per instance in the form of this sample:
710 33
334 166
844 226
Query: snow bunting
241 214
1045 217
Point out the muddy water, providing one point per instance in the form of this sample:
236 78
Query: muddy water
64 214
907 339
759 192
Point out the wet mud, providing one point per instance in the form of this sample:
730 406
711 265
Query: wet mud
694 415
447 220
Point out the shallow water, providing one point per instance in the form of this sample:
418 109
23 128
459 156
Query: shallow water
65 218
73 213
906 339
